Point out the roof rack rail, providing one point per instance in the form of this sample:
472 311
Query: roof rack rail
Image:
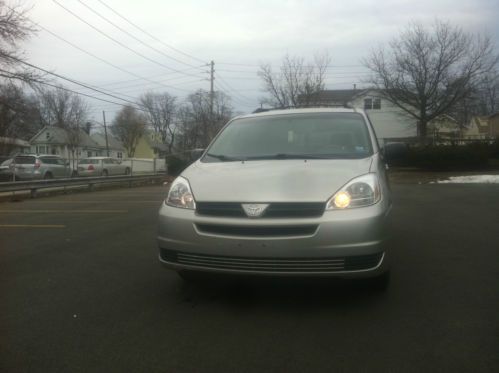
262 110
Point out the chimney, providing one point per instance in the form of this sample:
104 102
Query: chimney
354 86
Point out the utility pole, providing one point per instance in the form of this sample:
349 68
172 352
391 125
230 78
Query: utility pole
105 131
212 92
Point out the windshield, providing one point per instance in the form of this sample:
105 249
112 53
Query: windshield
318 135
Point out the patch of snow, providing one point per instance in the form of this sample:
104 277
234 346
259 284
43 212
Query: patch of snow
482 179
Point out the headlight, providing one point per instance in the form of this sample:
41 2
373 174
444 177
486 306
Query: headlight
359 192
180 194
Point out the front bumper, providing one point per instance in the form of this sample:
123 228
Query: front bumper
347 243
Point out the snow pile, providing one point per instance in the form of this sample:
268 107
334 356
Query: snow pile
483 179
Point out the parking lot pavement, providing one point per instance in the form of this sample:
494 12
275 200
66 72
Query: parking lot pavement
81 290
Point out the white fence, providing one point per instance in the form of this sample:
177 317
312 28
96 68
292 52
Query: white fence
145 165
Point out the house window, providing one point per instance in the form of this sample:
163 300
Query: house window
89 154
47 135
119 155
41 150
372 103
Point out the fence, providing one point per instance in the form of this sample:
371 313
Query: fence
145 165
89 182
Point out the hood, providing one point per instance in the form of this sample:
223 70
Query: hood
272 180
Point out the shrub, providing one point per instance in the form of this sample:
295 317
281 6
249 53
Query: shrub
448 157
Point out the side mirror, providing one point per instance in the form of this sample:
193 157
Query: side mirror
196 154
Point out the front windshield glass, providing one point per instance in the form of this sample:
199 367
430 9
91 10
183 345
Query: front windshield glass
293 136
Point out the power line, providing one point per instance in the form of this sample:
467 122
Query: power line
119 82
95 56
69 79
133 36
150 35
13 76
255 65
232 97
116 41
230 88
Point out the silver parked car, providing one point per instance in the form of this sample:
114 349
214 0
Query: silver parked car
32 167
5 170
289 192
101 166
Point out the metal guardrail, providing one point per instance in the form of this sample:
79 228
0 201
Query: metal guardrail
34 185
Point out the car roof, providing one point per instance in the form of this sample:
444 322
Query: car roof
273 112
98 158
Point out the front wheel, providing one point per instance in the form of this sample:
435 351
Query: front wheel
104 173
48 176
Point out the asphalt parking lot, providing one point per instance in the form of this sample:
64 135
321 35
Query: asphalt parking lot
81 290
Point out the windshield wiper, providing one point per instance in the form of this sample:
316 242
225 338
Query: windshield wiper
224 158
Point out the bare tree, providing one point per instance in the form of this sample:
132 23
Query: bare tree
160 112
488 93
61 108
15 28
19 115
129 126
197 126
297 83
428 70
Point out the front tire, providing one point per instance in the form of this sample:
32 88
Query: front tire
48 176
104 173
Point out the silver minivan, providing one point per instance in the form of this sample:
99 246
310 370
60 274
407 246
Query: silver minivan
288 192
33 167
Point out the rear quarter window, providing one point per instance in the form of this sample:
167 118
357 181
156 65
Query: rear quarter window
24 160
49 160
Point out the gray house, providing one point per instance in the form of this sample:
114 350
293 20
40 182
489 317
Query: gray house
116 149
55 141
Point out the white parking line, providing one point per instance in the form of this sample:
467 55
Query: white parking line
32 226
65 211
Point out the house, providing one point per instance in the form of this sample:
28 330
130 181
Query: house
116 148
54 140
389 121
148 147
483 127
444 127
10 145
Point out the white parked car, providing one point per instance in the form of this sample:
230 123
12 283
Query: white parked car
102 166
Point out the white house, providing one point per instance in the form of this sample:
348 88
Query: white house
389 121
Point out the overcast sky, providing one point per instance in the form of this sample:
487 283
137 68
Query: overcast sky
237 35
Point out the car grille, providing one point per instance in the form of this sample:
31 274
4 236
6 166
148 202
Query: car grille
292 265
258 231
275 210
